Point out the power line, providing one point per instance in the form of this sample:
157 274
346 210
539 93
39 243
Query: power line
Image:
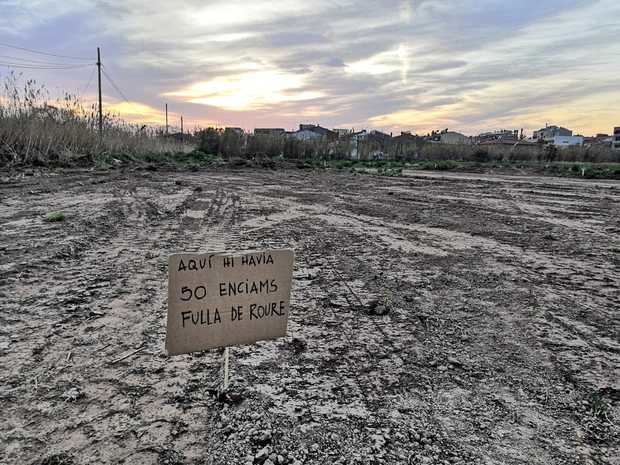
43 53
28 66
92 74
28 61
111 81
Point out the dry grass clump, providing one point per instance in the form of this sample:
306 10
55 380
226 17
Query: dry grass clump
36 130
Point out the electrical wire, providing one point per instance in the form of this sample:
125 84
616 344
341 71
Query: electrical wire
28 61
27 66
111 81
43 53
92 74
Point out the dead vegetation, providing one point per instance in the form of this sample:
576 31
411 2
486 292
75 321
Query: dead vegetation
36 130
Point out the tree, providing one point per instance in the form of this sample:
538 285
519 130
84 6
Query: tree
210 141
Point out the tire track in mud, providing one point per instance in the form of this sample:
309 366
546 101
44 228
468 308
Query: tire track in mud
243 356
71 306
501 278
139 272
344 363
509 400
198 219
204 218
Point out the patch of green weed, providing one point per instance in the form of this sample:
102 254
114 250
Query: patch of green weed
54 217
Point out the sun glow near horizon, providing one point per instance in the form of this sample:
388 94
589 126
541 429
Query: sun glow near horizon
247 91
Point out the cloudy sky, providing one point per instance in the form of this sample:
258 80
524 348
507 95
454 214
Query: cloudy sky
418 65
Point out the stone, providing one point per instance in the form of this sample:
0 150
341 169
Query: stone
379 440
262 455
264 437
298 345
381 310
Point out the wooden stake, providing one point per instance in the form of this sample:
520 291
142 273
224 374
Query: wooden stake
140 349
226 374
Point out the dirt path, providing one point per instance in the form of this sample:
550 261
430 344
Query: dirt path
501 344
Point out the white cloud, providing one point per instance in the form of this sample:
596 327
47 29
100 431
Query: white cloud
19 16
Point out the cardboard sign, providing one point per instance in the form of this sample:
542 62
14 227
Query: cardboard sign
219 300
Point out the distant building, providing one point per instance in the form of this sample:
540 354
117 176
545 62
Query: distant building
502 134
379 136
313 132
547 133
405 138
454 138
511 142
238 131
376 145
616 140
567 141
343 132
269 131
359 135
305 134
405 145
355 138
599 139
371 145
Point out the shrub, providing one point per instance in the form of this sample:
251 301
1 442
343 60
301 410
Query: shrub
441 165
481 156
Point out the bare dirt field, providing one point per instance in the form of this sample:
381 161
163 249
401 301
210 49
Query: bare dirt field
435 318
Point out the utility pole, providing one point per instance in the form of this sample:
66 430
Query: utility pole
181 125
166 118
100 106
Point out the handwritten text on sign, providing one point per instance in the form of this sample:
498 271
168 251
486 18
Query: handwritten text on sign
218 300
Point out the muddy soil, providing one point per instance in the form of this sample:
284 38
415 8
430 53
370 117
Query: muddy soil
435 318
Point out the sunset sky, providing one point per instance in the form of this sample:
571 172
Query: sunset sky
467 65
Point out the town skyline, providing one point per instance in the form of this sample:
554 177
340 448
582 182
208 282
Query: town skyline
399 66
